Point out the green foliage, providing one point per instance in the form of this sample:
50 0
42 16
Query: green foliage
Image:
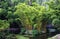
28 14
2 13
10 15
56 23
6 12
33 15
35 32
4 24
4 4
22 12
22 31
11 36
55 4
55 13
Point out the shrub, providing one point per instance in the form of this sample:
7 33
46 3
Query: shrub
56 23
25 14
55 10
4 24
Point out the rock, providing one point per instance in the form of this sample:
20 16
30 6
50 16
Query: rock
56 36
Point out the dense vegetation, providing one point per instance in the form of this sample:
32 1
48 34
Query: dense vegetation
23 14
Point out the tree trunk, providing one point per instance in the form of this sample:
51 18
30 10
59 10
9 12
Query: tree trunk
0 0
39 1
30 2
44 30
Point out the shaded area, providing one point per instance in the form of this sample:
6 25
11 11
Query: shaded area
15 27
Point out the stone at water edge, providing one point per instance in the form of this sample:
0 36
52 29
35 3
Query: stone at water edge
56 36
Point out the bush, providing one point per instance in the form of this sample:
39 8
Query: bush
35 32
27 14
55 10
22 31
4 24
56 23
3 14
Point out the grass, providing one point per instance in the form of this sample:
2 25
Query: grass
21 37
49 38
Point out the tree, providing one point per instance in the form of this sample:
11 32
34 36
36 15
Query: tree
55 10
30 15
24 16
